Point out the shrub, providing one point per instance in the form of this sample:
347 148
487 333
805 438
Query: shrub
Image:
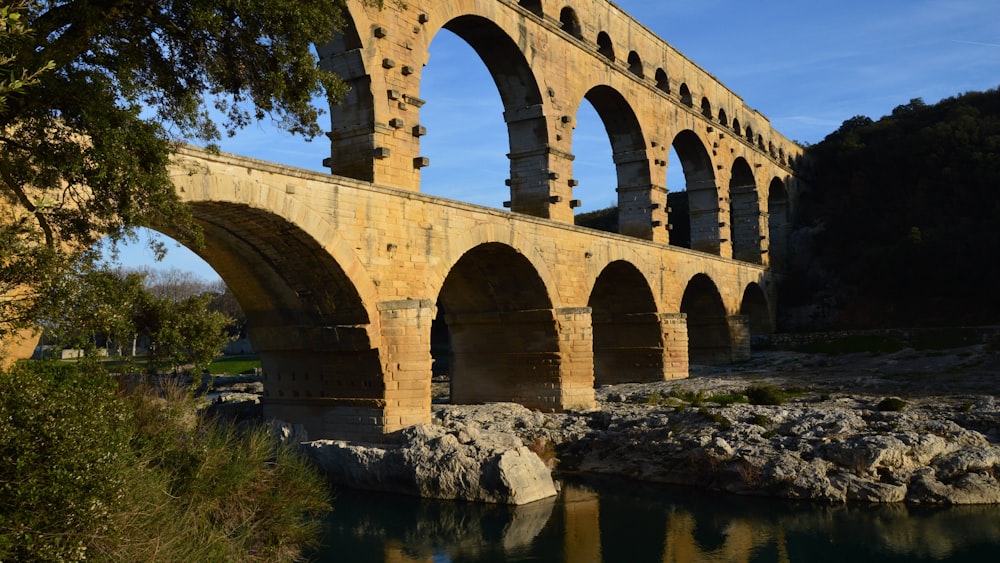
89 471
727 399
891 404
764 394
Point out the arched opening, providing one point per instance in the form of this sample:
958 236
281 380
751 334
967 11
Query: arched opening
723 120
685 95
635 64
533 6
570 22
736 127
308 324
662 81
760 142
628 341
706 108
777 224
702 195
473 167
754 307
750 134
605 47
707 324
503 340
745 211
631 168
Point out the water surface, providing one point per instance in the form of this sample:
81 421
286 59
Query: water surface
617 520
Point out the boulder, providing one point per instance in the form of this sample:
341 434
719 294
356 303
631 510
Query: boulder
460 462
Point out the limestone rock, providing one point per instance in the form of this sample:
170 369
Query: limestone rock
460 462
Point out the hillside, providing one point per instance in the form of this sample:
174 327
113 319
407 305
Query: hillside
900 223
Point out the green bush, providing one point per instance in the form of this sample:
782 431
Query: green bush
91 471
891 404
764 394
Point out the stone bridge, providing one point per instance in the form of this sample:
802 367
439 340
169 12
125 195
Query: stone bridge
352 281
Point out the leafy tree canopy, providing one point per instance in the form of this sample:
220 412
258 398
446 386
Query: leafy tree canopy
907 209
94 94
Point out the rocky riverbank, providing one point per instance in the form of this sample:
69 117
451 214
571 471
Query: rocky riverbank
912 426
916 427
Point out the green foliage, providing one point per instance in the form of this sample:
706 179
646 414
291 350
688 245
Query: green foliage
891 404
764 394
94 96
761 420
727 398
908 207
723 422
182 332
87 471
64 458
602 219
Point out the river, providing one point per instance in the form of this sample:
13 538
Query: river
616 520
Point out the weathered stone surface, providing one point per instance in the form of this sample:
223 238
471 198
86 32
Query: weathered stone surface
831 444
459 462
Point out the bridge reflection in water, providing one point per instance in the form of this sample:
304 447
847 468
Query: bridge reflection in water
625 521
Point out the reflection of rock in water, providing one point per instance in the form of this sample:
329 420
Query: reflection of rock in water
416 529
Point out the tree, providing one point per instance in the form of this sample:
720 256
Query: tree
96 95
93 305
182 331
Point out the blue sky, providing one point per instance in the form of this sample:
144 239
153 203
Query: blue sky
807 66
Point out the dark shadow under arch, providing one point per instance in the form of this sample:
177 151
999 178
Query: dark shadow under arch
500 328
628 340
754 306
745 212
709 341
778 227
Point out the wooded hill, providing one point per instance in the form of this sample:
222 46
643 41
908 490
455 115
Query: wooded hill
899 223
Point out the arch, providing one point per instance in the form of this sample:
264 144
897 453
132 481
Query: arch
570 23
520 95
628 341
723 120
755 308
685 95
778 213
533 6
503 335
662 81
745 211
709 341
310 325
702 193
635 64
736 127
628 148
760 141
605 47
706 108
749 131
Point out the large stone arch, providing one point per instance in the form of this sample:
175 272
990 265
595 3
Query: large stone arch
702 192
503 335
745 227
709 340
628 339
314 332
628 147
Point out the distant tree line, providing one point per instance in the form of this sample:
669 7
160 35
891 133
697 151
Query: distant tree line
899 223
